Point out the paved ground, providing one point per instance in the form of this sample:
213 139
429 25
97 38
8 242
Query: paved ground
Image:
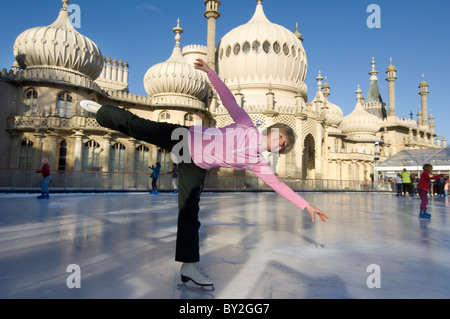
253 245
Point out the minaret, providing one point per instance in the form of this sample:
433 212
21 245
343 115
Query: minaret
212 14
423 92
391 77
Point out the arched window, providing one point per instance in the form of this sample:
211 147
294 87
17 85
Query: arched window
91 160
26 154
62 156
142 155
64 104
164 117
30 102
118 158
188 119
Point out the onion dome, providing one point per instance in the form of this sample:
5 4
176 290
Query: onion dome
176 75
260 53
59 46
360 122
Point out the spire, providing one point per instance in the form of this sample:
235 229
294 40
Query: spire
374 103
374 96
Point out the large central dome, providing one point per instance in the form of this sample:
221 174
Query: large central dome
261 53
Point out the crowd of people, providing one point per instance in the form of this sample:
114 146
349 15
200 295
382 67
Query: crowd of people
406 183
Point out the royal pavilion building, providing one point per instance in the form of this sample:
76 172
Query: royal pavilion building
263 63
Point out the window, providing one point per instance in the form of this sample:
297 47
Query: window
30 102
164 117
285 49
266 46
142 155
26 154
188 119
236 49
64 105
246 47
256 46
62 156
118 158
293 51
91 160
228 51
276 47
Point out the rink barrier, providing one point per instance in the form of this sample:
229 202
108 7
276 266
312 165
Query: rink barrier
27 180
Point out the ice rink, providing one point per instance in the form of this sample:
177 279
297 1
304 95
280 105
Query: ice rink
253 245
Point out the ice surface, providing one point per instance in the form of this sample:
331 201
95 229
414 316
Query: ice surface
253 245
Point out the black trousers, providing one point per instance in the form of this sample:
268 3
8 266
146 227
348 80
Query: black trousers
190 177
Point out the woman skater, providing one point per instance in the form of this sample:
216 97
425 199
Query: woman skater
238 146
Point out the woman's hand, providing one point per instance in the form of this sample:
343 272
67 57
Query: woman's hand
201 65
313 210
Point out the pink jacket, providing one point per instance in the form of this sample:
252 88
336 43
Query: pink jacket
237 146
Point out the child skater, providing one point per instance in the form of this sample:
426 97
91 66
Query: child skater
204 152
46 178
422 189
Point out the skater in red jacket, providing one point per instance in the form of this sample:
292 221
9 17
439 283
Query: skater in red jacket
423 187
46 177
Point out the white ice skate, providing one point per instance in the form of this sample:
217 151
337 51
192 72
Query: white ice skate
191 271
90 106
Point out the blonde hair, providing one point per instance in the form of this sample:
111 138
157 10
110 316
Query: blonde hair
287 131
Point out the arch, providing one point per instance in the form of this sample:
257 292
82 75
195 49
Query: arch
309 157
26 154
118 157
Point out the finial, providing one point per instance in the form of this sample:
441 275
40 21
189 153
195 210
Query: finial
373 73
359 96
178 30
65 4
298 34
319 80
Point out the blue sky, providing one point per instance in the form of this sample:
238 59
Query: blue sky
337 40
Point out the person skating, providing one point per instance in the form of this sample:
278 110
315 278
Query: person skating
244 152
154 176
174 173
423 187
46 177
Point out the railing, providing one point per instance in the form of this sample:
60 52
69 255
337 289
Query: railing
26 180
